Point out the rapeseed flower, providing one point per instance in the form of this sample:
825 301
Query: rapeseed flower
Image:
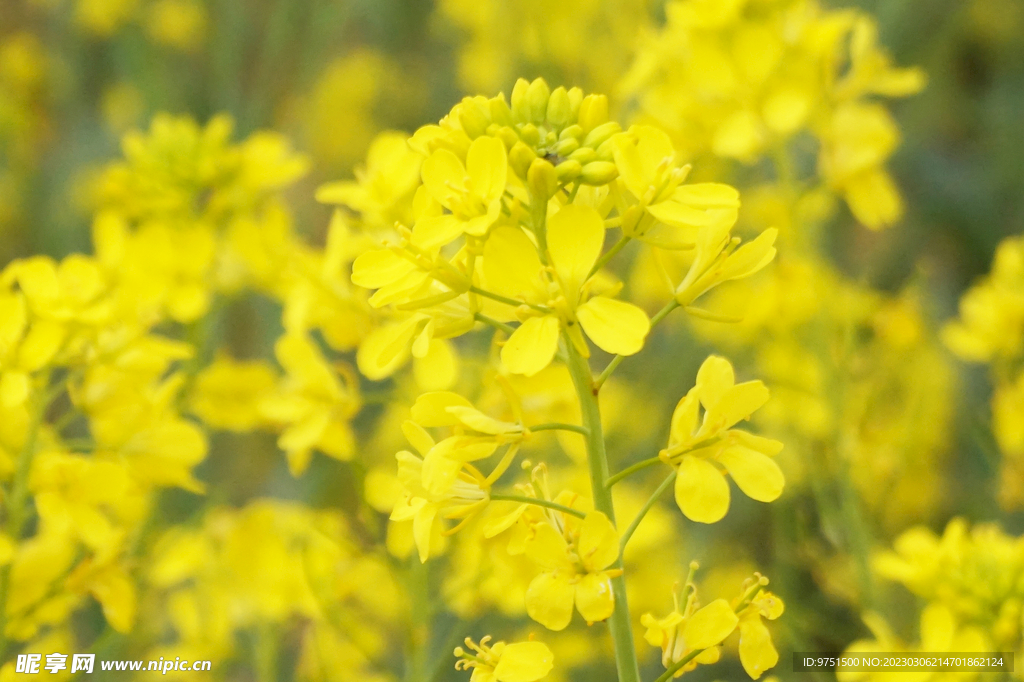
576 558
699 447
501 662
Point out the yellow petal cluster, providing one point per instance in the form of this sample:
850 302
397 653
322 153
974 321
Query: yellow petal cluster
705 449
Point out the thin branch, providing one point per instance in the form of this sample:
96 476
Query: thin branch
633 468
507 328
508 301
617 360
540 503
556 426
643 511
603 261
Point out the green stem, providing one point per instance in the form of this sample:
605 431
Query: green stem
507 328
603 261
508 301
572 194
421 616
556 426
632 469
643 512
617 360
671 670
18 496
265 653
523 499
619 623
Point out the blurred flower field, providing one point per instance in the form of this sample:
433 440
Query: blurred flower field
510 341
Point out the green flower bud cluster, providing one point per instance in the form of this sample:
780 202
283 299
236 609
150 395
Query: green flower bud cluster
552 136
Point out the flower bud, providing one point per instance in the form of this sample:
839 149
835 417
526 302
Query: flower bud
541 179
583 155
507 135
473 117
600 134
575 98
573 131
530 134
599 173
500 113
593 111
520 156
606 152
567 146
559 111
568 170
520 110
537 96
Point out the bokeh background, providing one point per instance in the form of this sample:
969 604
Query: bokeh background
329 75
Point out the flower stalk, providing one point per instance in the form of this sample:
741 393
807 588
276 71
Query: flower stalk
619 624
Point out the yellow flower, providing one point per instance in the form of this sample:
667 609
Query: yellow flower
313 405
441 482
576 559
177 23
227 393
700 447
940 631
471 191
716 259
991 324
501 662
666 214
860 138
513 268
757 653
690 629
132 414
388 179
948 571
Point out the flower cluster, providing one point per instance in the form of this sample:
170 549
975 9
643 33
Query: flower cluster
504 228
327 442
991 330
759 74
970 581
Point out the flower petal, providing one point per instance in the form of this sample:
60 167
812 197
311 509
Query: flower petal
487 165
750 257
707 195
422 530
575 236
548 548
524 662
532 346
714 378
478 421
735 405
431 409
757 653
701 491
439 473
549 600
442 171
615 326
756 474
684 418
594 598
599 542
511 266
710 625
